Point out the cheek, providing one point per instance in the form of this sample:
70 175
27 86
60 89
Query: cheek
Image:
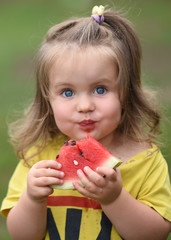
112 109
63 113
60 118
60 113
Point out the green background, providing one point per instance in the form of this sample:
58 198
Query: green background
23 24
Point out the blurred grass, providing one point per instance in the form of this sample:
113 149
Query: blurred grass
23 25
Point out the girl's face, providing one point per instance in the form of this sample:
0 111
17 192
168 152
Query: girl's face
84 96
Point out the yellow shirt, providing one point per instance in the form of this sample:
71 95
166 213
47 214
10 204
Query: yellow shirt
73 216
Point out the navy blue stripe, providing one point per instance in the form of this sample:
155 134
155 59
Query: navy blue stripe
73 221
106 227
51 225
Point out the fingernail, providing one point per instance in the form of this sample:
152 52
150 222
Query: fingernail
61 181
79 171
86 168
61 174
59 165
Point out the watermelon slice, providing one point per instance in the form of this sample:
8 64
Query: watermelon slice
76 155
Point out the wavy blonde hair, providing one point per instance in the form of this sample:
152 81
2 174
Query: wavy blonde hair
140 119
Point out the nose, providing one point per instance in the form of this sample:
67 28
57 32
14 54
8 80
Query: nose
85 104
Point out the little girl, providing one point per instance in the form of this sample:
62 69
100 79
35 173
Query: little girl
88 82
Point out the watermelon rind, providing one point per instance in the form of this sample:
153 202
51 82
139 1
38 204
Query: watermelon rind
112 162
66 185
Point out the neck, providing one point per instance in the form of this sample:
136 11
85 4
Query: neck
113 142
123 147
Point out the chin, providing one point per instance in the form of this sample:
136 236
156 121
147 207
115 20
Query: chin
77 136
83 135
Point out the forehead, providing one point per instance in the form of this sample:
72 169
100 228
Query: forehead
75 54
83 68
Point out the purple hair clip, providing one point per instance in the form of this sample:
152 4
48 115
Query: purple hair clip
97 14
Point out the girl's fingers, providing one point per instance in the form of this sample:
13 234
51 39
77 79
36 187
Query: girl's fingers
89 186
81 189
47 168
95 177
108 173
48 164
84 180
47 181
44 172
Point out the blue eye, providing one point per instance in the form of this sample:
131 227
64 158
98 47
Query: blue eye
100 90
68 93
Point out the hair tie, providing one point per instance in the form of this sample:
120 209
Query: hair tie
97 14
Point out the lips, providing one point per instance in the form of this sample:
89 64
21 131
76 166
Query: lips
87 122
87 125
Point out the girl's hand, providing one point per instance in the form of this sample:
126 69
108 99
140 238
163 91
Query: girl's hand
104 185
40 177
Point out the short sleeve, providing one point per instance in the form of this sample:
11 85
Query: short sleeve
156 190
16 187
18 181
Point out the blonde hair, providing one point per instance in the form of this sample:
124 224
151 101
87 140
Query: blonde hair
140 119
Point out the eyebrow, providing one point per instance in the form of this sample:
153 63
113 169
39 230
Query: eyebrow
62 84
102 81
70 85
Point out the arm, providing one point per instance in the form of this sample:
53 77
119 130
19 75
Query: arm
135 220
131 218
27 220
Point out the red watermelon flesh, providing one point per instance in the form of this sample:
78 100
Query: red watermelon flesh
76 155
